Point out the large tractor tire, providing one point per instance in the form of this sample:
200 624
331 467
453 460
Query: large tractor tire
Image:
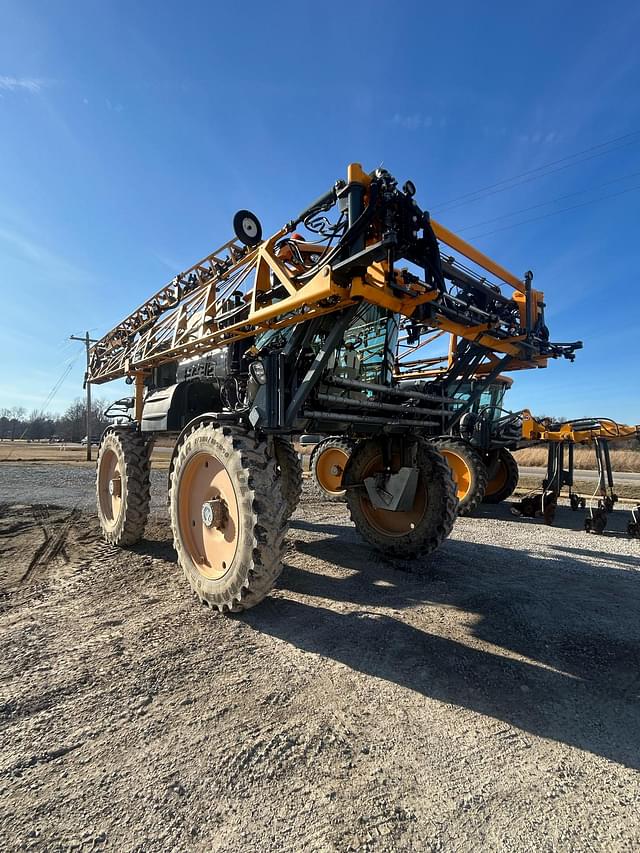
503 478
123 485
419 530
228 516
290 470
469 472
327 465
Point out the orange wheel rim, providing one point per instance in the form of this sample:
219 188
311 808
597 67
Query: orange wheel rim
460 471
208 514
110 487
393 523
499 480
330 467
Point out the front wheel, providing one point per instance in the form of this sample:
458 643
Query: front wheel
420 529
228 516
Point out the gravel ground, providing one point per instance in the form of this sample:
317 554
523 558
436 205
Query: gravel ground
63 485
487 698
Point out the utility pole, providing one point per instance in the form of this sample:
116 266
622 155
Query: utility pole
87 341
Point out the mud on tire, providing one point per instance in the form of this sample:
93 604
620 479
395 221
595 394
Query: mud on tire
233 563
418 531
290 471
123 485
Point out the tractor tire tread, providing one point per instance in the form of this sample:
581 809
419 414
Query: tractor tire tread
425 539
260 500
135 451
288 461
345 444
511 483
476 466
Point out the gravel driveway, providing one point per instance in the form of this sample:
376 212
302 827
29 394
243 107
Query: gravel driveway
487 698
62 485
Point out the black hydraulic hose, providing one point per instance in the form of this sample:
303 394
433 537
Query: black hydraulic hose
348 236
322 203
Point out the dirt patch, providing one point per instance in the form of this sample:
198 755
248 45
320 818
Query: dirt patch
37 540
487 698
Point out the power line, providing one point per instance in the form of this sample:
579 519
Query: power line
540 168
535 177
555 212
87 340
532 174
49 399
56 387
551 201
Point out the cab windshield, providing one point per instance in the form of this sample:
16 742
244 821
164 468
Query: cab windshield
489 402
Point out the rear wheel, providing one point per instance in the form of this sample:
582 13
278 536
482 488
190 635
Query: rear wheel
123 485
327 465
228 516
468 470
420 529
503 478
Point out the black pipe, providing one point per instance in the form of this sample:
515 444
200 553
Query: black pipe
365 419
359 385
373 404
355 209
528 278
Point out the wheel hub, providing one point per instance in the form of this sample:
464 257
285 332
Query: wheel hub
208 514
329 469
115 487
214 513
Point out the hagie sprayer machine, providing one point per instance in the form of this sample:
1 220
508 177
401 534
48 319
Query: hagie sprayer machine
265 339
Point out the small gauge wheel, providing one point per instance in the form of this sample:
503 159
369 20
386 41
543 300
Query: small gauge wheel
247 228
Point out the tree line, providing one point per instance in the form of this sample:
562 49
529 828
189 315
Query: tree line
16 423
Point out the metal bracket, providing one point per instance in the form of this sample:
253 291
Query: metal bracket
395 492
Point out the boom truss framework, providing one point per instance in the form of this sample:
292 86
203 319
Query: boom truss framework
239 291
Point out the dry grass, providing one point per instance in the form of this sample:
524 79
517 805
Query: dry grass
23 451
73 454
628 491
621 460
69 454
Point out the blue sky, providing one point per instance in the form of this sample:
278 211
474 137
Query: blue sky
131 132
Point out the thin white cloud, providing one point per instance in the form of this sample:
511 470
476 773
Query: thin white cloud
33 85
55 266
416 121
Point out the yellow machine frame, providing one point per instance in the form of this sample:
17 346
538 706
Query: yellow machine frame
198 318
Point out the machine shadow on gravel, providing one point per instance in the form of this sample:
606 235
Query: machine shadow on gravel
577 625
565 517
